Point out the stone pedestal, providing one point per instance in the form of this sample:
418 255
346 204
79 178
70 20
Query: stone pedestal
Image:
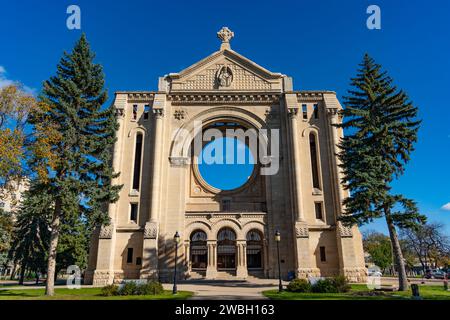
304 262
150 252
103 277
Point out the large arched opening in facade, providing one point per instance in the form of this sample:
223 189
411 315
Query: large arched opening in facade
254 250
226 249
198 250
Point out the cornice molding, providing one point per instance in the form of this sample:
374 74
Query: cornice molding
220 98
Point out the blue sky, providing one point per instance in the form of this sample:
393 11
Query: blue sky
318 43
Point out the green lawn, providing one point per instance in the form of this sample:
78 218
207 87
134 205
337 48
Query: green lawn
83 294
358 292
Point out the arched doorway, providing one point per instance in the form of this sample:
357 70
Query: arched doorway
226 249
254 250
199 250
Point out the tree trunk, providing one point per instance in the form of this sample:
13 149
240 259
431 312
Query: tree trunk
51 265
13 271
397 251
22 275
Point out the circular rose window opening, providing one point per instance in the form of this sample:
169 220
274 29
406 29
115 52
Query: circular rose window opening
226 163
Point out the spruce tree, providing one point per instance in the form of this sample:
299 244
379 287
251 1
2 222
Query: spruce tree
30 238
382 128
74 136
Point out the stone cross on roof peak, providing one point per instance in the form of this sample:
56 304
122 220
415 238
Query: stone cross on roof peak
225 35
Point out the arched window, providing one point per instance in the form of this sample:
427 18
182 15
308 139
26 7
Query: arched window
199 250
137 162
226 249
254 249
314 160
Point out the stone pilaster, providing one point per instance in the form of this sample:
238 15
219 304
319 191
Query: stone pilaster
298 205
241 263
211 269
349 242
104 269
150 253
150 245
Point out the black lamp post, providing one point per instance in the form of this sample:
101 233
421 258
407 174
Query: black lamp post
176 237
277 239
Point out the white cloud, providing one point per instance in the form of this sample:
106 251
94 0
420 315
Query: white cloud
4 81
446 207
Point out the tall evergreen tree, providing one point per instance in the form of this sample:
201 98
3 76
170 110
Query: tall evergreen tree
74 136
382 125
30 240
6 231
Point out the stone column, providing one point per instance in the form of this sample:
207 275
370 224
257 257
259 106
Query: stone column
157 155
211 269
299 215
351 257
241 265
104 270
150 245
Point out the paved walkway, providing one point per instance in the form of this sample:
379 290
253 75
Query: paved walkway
227 289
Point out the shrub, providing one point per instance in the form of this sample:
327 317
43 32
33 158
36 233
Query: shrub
128 289
299 285
324 286
337 284
150 288
341 284
110 290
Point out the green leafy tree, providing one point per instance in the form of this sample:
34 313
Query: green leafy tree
15 106
382 129
379 247
74 136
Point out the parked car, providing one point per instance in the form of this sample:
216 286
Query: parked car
435 274
374 272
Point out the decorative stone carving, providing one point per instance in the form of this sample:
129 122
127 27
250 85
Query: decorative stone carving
119 113
271 114
102 277
355 274
159 113
225 34
224 76
252 99
150 230
106 231
301 231
179 114
197 189
292 112
345 231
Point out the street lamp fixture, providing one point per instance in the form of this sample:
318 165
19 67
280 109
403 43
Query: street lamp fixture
278 239
176 238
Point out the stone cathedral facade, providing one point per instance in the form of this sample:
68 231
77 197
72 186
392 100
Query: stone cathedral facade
225 233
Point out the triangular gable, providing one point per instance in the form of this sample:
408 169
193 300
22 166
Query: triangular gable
242 74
